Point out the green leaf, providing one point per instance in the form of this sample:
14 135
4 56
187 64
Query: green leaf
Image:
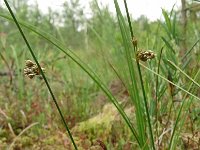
167 20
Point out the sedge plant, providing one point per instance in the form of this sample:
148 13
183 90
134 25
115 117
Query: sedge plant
143 118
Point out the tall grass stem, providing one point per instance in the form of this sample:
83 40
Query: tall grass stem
42 73
141 80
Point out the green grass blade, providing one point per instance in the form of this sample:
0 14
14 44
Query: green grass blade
157 100
197 84
171 144
133 89
174 27
19 78
42 73
141 81
188 52
182 89
167 21
168 44
84 67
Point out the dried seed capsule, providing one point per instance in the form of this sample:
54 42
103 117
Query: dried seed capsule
29 63
35 70
31 69
31 75
145 55
43 69
28 70
134 41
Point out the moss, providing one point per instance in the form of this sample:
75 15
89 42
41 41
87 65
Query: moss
104 124
99 125
3 134
26 141
3 144
50 140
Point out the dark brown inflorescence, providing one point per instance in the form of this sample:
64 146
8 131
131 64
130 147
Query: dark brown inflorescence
31 69
145 55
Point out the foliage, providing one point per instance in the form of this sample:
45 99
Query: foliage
101 46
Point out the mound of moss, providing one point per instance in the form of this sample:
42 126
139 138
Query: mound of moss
104 125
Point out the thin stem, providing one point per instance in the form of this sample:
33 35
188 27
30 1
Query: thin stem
87 70
9 68
157 105
179 87
129 19
197 84
180 111
42 73
141 80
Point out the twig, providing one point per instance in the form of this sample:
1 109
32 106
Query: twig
23 131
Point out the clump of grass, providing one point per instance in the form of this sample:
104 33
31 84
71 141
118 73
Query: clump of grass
39 70
148 95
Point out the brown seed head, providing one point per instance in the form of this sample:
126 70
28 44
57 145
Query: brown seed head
145 55
31 75
31 69
134 41
29 63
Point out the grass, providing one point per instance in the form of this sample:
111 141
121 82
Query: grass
154 89
42 73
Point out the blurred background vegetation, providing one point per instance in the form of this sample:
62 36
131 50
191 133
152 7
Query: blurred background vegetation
28 118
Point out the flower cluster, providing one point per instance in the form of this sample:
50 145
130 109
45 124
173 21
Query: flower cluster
31 69
145 55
